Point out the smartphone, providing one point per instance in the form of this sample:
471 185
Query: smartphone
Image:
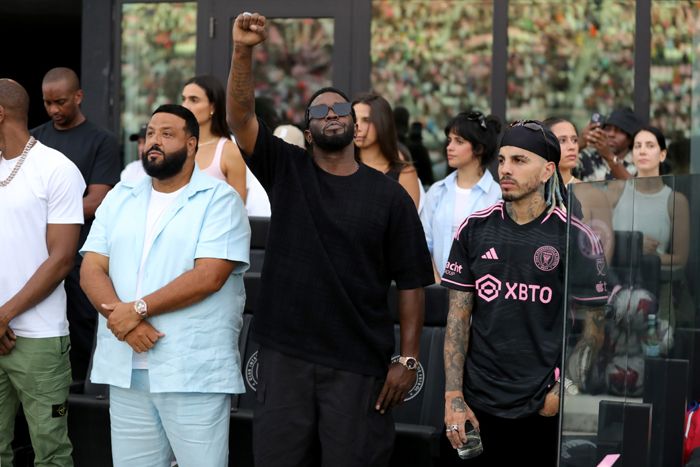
597 119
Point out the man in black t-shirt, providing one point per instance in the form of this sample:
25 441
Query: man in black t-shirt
96 153
340 232
506 272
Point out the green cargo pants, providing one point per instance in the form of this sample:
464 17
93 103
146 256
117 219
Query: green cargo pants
37 374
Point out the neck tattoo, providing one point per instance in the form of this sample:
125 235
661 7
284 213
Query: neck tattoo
18 165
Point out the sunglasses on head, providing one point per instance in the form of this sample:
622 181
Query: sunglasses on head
534 126
477 117
341 109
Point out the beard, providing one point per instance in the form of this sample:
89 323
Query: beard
522 191
170 166
332 143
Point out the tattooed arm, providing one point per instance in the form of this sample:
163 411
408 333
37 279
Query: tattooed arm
457 412
248 31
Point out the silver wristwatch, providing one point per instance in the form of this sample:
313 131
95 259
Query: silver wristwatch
141 308
409 362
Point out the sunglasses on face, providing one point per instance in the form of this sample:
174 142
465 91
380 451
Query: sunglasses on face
341 109
477 117
534 126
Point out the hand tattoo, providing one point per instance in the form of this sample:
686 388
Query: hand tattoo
458 405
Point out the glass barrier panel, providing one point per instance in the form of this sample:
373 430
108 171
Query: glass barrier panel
628 364
157 57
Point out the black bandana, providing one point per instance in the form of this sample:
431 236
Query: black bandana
532 136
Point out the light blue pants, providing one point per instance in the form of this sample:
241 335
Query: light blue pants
147 428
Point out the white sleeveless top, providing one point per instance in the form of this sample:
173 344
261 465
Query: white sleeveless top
646 213
214 169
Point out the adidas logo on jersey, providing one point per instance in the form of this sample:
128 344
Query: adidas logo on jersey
491 254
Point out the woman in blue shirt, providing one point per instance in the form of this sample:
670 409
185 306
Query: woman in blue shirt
471 146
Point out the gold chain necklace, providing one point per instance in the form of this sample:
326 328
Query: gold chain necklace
18 165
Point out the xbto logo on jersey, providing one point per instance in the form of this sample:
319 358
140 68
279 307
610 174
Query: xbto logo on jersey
488 288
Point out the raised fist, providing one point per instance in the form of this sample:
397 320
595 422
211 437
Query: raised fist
249 29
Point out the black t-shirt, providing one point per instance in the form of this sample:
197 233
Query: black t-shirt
516 273
92 149
334 245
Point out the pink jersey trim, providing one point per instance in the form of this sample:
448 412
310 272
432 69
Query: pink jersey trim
589 299
486 212
597 248
457 283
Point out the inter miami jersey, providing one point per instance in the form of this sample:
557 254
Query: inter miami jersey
516 273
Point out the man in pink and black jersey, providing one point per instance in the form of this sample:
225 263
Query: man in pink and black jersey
506 272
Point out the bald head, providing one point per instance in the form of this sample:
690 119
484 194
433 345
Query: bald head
14 99
62 97
62 74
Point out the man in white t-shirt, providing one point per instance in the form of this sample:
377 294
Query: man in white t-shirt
164 264
41 207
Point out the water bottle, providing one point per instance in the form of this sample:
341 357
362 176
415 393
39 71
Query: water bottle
473 446
652 348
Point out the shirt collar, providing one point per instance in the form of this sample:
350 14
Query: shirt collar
198 182
486 181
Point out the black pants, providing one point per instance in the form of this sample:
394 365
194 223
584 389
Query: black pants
306 411
514 442
82 319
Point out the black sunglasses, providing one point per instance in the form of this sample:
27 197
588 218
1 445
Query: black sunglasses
341 109
477 117
534 126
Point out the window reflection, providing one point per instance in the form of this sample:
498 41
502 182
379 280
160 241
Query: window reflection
569 58
434 58
295 61
157 56
673 26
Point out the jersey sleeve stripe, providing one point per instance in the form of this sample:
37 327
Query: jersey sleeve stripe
457 283
486 212
596 246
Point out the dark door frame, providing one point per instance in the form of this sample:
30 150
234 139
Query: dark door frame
351 43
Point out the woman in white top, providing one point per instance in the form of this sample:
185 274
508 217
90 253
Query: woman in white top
471 146
648 205
217 155
594 207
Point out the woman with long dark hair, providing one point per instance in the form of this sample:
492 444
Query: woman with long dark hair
376 141
590 204
647 204
217 155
